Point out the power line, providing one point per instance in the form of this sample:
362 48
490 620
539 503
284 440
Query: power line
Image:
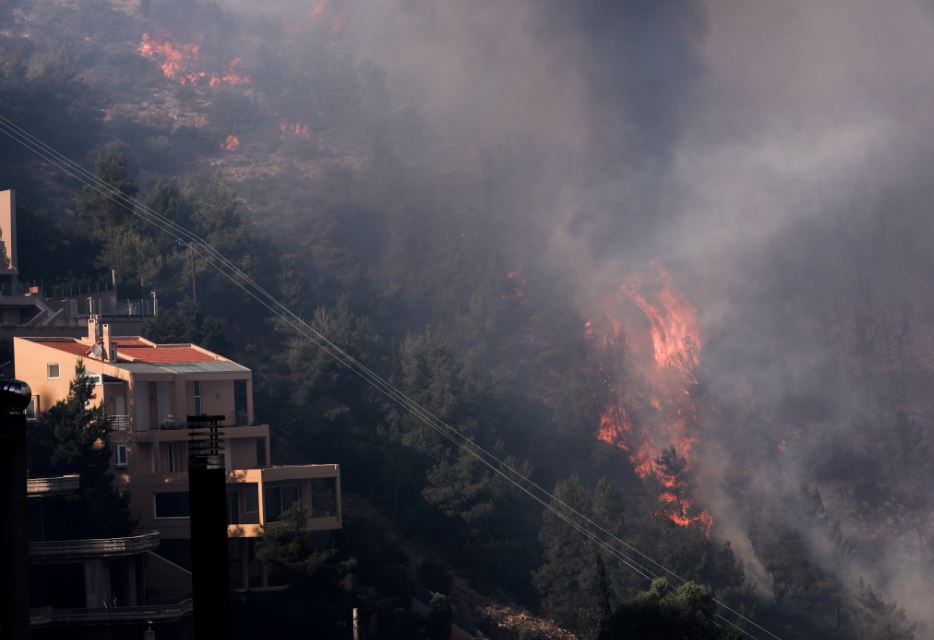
232 272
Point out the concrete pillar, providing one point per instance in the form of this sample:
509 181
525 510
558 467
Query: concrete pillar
244 563
132 596
96 583
249 400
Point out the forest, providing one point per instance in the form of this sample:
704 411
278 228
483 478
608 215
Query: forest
718 351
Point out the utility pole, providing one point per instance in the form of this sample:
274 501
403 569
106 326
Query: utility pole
194 280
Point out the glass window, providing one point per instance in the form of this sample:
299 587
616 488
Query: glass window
233 506
278 499
197 385
240 413
172 505
323 497
120 455
53 371
174 457
32 410
261 452
250 498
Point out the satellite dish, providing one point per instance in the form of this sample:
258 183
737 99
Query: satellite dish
97 351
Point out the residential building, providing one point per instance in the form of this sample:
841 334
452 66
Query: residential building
147 390
102 587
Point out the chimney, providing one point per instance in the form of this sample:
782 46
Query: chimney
109 348
93 329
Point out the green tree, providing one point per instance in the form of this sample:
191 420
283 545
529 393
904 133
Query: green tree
664 612
187 323
288 544
572 583
74 437
876 619
98 214
438 624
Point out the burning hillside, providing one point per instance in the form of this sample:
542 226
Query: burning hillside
653 417
182 63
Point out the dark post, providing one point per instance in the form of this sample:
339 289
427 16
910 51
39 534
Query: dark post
207 490
14 536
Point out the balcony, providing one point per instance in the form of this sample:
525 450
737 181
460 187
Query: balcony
258 496
119 422
41 487
46 616
58 551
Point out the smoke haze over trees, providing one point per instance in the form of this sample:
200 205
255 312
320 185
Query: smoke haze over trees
487 202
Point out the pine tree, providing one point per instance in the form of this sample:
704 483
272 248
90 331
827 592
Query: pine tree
74 437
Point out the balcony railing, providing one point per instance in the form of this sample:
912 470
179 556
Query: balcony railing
119 422
53 551
40 617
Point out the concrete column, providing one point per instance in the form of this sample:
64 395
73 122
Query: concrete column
96 583
244 563
249 399
263 574
132 596
259 499
181 402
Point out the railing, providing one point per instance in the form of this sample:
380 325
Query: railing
59 550
148 612
52 486
119 422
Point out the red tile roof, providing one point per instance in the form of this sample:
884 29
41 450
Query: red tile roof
68 346
163 354
135 349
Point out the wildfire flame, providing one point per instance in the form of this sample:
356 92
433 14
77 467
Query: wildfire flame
179 62
232 143
656 426
297 129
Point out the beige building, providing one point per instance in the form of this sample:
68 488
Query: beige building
147 391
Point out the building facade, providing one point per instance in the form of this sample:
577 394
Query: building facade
147 390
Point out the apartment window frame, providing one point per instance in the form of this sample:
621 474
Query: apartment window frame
58 370
261 451
197 397
32 409
274 502
176 451
120 454
155 505
251 494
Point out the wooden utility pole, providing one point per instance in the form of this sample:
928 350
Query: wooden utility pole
194 279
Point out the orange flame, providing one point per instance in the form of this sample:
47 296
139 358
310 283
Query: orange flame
666 410
297 129
179 62
231 144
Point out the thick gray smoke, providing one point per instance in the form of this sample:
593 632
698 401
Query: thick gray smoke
774 157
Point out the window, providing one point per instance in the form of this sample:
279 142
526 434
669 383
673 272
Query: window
323 497
120 455
32 409
278 499
171 505
174 457
250 499
197 385
53 371
261 452
233 506
240 412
